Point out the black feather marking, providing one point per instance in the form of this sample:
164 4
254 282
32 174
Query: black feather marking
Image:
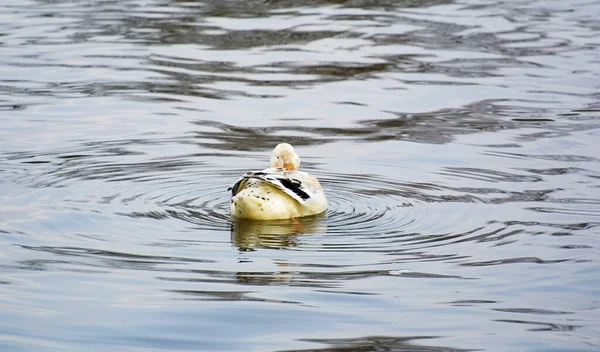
294 186
234 188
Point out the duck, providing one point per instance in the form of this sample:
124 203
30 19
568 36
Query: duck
278 192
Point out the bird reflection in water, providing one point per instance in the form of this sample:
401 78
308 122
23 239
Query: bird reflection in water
249 235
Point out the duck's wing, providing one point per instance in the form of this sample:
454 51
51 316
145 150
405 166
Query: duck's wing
291 183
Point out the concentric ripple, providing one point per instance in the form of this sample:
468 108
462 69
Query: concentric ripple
189 188
362 203
125 183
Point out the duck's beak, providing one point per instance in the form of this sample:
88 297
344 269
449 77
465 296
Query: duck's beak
289 166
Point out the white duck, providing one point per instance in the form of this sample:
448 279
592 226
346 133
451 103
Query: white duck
279 192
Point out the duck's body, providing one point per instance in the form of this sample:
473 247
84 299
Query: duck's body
279 192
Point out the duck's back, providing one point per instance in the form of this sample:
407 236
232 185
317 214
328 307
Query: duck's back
275 194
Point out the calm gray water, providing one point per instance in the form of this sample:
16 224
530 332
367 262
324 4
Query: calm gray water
457 141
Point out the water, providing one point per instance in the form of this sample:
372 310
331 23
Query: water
457 142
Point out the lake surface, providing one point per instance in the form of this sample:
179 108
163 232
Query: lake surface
457 142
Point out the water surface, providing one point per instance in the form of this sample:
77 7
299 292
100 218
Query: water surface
457 142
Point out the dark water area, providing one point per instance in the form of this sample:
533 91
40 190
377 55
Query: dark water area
457 143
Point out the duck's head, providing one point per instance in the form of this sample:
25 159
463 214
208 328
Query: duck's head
284 156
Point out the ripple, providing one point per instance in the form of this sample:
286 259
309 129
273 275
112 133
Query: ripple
120 176
369 205
367 212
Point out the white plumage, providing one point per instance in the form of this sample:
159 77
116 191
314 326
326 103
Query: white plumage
279 192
